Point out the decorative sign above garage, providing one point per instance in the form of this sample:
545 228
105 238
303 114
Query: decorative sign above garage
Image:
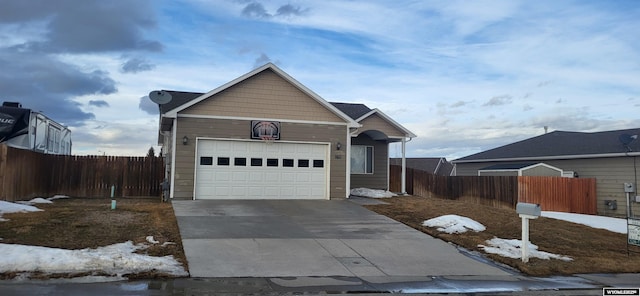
261 129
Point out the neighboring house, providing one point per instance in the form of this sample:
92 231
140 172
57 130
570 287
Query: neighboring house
435 165
264 135
610 157
27 129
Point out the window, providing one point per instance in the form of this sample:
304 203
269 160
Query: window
361 159
272 162
240 161
287 163
256 162
303 163
318 163
206 160
223 161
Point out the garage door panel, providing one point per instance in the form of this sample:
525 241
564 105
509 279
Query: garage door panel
294 177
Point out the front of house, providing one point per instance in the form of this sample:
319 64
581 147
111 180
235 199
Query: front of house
266 136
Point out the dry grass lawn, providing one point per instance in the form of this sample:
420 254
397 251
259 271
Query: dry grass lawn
79 223
592 250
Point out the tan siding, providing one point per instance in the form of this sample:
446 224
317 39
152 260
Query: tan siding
375 122
377 180
541 171
498 173
265 95
610 173
240 129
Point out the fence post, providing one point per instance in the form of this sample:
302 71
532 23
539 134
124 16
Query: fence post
3 167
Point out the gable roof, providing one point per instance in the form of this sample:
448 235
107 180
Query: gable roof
508 166
561 145
172 113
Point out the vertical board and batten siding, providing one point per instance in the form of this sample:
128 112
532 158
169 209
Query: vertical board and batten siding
241 129
610 174
265 95
26 174
552 193
380 163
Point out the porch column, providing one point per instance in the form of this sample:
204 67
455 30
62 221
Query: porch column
404 167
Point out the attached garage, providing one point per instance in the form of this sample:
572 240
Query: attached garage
254 169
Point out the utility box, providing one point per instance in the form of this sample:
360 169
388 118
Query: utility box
629 187
528 209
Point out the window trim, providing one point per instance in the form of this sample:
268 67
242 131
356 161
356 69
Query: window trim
367 170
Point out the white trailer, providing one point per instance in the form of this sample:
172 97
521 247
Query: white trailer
27 129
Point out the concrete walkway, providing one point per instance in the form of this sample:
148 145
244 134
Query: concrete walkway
289 238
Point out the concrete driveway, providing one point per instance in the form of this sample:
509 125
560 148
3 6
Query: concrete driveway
273 238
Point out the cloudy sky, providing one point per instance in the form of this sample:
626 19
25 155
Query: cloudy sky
465 76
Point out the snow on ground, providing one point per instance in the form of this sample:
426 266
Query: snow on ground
612 224
454 224
117 259
373 193
10 207
511 248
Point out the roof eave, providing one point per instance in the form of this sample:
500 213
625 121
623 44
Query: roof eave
408 133
553 157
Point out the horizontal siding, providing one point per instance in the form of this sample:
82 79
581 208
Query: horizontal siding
379 179
375 122
265 95
610 173
240 129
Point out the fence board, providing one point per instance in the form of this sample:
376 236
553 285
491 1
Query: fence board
575 195
26 174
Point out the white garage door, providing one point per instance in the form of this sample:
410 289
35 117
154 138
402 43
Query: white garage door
228 169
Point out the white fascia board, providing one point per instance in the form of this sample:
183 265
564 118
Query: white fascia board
556 157
350 122
407 132
255 118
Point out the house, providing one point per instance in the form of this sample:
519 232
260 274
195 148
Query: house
27 129
264 135
435 165
610 157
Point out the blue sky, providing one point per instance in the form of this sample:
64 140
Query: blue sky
465 76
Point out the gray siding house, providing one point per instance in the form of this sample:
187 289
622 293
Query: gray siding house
264 135
611 157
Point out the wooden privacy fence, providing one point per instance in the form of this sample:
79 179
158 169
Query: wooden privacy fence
26 174
574 195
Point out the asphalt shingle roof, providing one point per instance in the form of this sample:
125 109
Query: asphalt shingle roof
561 143
178 98
354 111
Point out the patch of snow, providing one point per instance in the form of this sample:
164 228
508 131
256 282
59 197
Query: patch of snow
115 259
373 193
10 207
454 224
37 200
57 196
151 240
167 243
612 224
511 248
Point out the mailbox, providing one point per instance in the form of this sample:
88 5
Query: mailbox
528 209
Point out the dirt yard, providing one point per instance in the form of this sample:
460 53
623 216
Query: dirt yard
79 223
592 250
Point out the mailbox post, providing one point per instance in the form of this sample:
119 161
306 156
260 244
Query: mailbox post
527 211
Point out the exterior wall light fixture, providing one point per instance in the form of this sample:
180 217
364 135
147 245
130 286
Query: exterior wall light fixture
185 140
338 146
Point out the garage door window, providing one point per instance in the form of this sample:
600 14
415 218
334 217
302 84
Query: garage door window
303 163
223 161
287 163
206 160
361 159
272 162
240 161
256 162
318 163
